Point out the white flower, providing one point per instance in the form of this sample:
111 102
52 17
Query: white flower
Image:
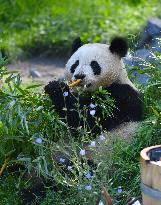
82 152
92 105
119 189
101 203
88 187
101 138
38 140
92 112
69 168
93 144
65 94
79 187
61 160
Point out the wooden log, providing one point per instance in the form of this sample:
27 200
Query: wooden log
151 177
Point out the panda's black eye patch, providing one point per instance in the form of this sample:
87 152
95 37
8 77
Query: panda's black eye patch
73 67
96 68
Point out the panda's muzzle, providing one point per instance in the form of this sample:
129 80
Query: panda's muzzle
79 76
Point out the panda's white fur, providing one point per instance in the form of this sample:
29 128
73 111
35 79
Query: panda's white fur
112 70
112 67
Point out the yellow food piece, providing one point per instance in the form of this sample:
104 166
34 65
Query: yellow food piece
74 83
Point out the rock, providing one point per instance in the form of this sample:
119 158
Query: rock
132 62
156 44
34 74
154 27
144 54
142 79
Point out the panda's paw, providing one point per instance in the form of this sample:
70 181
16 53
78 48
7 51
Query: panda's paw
56 87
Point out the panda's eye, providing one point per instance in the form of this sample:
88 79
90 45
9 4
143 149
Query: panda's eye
73 67
96 68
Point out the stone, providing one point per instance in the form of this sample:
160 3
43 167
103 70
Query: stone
144 54
133 62
34 74
156 44
153 27
142 79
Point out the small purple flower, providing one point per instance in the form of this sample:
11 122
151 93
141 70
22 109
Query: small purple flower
88 175
92 112
101 138
82 152
65 94
61 160
119 189
88 187
92 105
38 140
69 168
93 144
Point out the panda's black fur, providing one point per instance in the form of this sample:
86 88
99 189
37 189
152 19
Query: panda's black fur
127 99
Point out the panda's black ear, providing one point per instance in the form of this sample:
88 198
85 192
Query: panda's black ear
77 43
119 46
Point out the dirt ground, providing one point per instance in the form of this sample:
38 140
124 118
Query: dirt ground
48 68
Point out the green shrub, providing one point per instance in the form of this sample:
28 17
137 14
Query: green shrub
26 116
29 27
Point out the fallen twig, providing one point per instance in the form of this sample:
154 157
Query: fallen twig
106 196
4 166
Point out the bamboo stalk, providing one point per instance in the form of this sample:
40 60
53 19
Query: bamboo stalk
4 166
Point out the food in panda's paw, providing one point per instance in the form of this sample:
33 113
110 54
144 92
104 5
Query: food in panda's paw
75 83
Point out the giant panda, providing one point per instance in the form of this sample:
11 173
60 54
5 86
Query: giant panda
98 65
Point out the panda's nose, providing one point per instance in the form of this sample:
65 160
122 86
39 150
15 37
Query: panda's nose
80 76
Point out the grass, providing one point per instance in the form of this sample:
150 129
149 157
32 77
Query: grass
26 115
31 27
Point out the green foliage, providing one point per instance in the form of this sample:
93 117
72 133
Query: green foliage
8 191
26 116
32 27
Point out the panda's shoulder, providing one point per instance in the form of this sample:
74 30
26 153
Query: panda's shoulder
122 91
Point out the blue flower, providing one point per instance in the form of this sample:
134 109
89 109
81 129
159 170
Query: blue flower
93 144
82 152
119 189
92 112
65 94
88 187
38 140
61 160
88 175
101 138
92 105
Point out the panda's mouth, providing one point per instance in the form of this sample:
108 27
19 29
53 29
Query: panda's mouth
80 83
84 85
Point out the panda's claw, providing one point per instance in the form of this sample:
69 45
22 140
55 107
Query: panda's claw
55 86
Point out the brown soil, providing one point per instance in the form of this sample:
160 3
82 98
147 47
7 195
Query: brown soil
49 68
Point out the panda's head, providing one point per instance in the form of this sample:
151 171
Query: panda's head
96 64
